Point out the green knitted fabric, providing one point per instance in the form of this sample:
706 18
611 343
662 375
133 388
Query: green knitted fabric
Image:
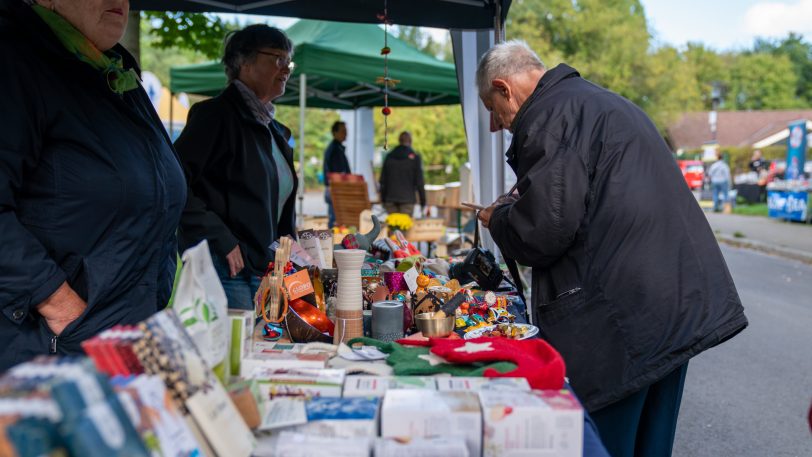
419 361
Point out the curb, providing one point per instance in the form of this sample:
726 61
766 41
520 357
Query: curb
766 248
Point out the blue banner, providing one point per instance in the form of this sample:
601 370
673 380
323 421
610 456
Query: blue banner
796 150
787 205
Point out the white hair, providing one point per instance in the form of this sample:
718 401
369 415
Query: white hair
503 60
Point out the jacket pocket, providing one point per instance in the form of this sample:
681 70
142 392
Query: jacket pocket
584 329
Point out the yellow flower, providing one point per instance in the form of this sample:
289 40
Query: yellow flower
399 221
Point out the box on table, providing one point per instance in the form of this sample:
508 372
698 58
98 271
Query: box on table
299 382
475 384
538 423
452 194
341 417
447 447
376 386
263 361
408 413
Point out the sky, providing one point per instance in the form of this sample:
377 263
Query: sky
720 24
726 24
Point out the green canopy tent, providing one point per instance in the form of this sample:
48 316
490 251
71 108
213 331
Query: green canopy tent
338 66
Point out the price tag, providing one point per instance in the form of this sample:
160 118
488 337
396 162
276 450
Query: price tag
411 279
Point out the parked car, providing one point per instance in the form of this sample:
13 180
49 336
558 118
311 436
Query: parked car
693 171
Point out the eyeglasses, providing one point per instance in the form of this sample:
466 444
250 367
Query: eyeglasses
282 60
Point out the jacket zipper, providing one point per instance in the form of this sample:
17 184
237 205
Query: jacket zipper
53 344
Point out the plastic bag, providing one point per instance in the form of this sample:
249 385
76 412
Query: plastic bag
201 304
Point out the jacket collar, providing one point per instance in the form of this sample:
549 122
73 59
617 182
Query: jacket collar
547 81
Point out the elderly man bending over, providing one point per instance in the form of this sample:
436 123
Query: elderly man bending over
628 280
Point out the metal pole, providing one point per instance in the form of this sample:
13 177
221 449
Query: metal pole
171 115
302 106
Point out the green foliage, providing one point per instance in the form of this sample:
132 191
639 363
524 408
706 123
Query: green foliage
756 209
799 53
762 81
202 33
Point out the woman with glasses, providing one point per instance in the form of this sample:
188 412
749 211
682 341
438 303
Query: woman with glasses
239 164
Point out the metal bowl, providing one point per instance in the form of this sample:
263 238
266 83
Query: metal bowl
434 328
307 324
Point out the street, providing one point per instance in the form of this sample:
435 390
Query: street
750 396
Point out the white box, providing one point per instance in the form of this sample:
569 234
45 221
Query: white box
300 382
548 423
376 386
341 417
424 414
474 384
256 362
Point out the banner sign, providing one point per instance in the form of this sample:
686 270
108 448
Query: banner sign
787 205
796 150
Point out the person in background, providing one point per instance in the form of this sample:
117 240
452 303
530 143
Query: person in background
402 178
719 176
629 282
757 163
91 190
335 161
239 164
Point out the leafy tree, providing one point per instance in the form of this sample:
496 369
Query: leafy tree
708 67
762 81
202 33
799 53
670 86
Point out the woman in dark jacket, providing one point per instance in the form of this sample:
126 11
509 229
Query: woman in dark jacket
628 279
90 189
239 164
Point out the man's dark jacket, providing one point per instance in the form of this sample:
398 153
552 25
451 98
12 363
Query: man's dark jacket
402 177
90 193
628 280
227 157
335 160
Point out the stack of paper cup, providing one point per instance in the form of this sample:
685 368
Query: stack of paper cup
349 296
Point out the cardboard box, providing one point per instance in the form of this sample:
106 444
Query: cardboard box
376 386
474 384
301 382
410 413
547 423
341 417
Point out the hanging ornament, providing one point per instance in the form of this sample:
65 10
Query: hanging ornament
385 80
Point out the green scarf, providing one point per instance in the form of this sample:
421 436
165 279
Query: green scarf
110 64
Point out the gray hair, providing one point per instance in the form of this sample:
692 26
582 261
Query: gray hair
503 60
241 46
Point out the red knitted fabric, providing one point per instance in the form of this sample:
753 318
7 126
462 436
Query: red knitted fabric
535 360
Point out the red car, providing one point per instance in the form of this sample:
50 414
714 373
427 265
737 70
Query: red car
693 171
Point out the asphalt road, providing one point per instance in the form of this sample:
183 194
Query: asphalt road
750 396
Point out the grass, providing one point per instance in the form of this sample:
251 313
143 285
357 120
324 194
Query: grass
758 209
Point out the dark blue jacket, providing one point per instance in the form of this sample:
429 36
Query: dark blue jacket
628 279
335 160
91 193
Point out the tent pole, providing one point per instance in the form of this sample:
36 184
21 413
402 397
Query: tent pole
171 116
302 105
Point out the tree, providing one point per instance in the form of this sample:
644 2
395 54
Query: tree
201 33
708 67
762 81
670 87
799 53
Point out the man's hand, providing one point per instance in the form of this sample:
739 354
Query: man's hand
61 308
235 263
485 214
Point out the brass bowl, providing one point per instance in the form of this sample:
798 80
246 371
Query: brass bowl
434 328
307 324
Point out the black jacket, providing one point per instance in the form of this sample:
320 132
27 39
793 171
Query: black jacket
628 280
233 199
335 160
402 177
90 192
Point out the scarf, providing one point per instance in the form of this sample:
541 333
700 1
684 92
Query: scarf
108 63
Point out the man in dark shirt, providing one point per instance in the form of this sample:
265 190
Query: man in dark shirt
402 178
335 161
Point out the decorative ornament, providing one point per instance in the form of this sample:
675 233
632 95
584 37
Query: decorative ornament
386 81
